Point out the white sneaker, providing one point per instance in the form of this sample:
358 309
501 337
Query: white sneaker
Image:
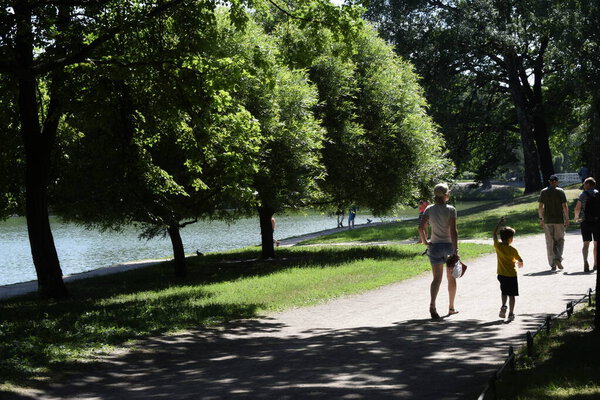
502 313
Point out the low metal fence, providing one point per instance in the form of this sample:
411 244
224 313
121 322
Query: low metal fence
489 392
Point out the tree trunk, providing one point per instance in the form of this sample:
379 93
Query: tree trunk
540 129
178 253
266 232
531 174
38 145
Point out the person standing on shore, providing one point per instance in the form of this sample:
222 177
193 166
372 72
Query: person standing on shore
442 244
352 216
589 203
554 219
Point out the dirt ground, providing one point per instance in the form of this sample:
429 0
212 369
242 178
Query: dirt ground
377 345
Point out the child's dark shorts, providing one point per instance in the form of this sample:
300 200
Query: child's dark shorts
509 285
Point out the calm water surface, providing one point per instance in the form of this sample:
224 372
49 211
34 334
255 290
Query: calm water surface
81 250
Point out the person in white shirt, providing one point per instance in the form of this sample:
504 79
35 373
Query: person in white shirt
442 244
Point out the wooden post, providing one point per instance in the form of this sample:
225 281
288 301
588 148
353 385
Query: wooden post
529 344
569 309
548 322
513 358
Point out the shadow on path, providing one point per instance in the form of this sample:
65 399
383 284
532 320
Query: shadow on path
247 361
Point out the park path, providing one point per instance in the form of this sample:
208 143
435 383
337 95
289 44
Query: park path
377 345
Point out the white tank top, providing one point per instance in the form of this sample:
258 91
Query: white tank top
439 219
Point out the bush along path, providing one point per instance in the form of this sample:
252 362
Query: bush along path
377 345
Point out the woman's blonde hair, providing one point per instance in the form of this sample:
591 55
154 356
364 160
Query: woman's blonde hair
440 191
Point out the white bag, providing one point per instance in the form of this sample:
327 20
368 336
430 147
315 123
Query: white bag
457 270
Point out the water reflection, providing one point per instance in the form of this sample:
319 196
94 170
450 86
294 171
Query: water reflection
82 250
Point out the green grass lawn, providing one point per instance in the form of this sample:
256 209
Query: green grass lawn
474 222
566 366
39 339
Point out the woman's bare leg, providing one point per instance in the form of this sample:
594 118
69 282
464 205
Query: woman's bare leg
451 288
437 271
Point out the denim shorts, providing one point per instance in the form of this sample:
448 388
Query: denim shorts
438 252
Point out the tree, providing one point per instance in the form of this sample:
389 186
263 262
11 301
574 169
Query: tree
381 147
38 42
68 33
578 76
505 42
281 100
160 143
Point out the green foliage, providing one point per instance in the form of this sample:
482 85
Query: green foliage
381 147
162 143
475 58
281 100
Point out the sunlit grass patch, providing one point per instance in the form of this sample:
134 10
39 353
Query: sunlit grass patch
39 339
477 222
566 364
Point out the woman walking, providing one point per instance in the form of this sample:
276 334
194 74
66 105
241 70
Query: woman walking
442 244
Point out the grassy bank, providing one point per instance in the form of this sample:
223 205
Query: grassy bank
566 366
476 222
40 340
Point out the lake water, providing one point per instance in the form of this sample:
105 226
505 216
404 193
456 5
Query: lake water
81 250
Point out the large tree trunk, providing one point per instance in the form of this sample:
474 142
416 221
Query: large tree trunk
532 178
38 145
266 232
178 253
540 129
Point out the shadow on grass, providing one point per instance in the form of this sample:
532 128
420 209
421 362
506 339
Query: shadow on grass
112 309
569 369
418 359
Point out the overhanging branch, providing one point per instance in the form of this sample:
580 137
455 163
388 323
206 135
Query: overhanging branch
82 54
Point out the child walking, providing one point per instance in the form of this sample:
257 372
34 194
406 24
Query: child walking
507 273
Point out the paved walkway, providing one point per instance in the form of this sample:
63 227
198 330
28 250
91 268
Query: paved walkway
378 345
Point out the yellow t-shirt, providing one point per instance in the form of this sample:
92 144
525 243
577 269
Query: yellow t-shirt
507 257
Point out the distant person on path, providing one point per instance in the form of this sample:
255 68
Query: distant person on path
554 218
589 203
351 216
422 206
275 241
442 244
340 217
507 273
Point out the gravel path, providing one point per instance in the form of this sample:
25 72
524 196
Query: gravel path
378 345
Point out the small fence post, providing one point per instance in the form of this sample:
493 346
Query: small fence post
511 355
529 344
590 297
548 322
569 309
